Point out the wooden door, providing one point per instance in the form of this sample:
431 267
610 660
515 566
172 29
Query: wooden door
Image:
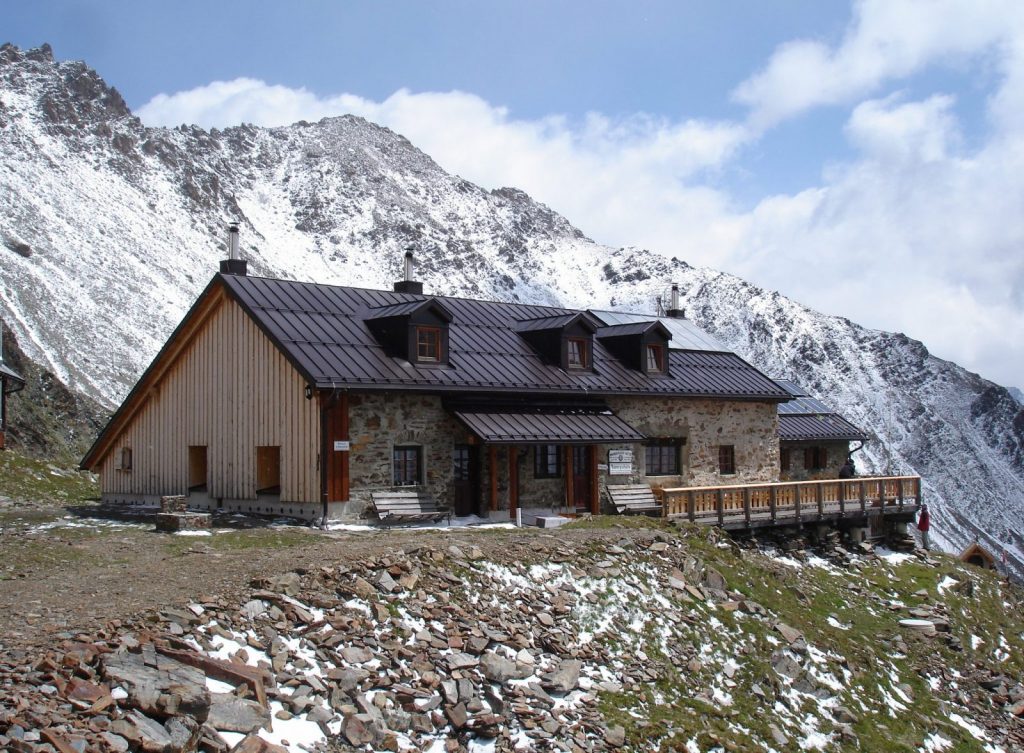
581 468
465 479
336 448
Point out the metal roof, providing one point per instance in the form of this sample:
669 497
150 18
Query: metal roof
8 373
549 428
322 330
636 328
806 418
685 334
806 428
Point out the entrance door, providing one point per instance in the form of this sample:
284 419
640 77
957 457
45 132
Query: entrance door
465 479
581 470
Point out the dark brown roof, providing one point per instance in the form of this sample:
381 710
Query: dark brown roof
830 426
805 418
9 374
549 427
322 330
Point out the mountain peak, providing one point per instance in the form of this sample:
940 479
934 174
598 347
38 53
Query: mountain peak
68 95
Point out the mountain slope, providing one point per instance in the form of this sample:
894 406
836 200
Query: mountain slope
109 229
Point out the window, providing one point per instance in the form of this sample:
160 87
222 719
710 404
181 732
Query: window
428 344
577 355
547 461
726 459
815 458
655 358
408 466
268 470
661 457
785 459
126 458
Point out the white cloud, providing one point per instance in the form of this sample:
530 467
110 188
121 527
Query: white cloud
917 232
887 40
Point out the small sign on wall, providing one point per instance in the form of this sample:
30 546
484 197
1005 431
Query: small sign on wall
620 469
620 456
602 467
341 445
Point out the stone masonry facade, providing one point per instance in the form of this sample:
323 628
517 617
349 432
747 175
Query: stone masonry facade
380 421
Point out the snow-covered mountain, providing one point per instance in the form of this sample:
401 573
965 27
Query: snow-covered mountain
109 229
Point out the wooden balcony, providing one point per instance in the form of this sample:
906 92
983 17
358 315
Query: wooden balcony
795 502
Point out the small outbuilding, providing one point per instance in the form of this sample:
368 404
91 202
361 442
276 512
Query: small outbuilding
979 556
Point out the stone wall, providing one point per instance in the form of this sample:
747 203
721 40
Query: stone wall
752 428
799 472
380 421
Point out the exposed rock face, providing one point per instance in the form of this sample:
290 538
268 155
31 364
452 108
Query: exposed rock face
142 211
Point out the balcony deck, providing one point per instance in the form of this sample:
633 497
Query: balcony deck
748 506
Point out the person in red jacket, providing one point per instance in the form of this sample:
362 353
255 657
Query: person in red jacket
924 522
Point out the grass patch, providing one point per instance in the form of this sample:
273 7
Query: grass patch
237 540
25 479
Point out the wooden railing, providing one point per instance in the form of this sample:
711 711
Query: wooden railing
793 501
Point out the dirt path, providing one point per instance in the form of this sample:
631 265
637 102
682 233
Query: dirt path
64 572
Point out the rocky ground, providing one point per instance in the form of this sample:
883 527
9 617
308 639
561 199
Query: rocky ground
610 634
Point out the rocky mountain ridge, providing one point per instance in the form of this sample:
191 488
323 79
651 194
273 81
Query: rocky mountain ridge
109 229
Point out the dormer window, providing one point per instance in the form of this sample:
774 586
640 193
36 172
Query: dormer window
428 344
563 340
578 355
655 359
416 331
641 345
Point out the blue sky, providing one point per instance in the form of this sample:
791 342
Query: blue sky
863 158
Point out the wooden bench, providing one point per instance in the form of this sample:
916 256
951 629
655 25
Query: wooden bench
633 499
407 507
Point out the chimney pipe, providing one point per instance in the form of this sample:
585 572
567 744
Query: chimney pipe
233 265
233 240
409 285
674 311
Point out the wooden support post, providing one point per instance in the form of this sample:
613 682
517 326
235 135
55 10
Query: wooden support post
773 500
492 457
345 455
797 499
863 499
570 472
899 487
821 500
842 499
746 505
691 506
513 482
720 504
595 493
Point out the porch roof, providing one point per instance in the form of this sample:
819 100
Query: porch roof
549 427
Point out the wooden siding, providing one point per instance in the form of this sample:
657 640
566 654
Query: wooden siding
231 390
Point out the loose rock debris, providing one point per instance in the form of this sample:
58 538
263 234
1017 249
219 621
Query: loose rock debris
430 649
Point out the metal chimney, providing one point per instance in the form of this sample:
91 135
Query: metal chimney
233 265
409 285
674 311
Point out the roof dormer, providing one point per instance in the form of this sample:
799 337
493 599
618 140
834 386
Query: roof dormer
414 330
565 340
642 346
